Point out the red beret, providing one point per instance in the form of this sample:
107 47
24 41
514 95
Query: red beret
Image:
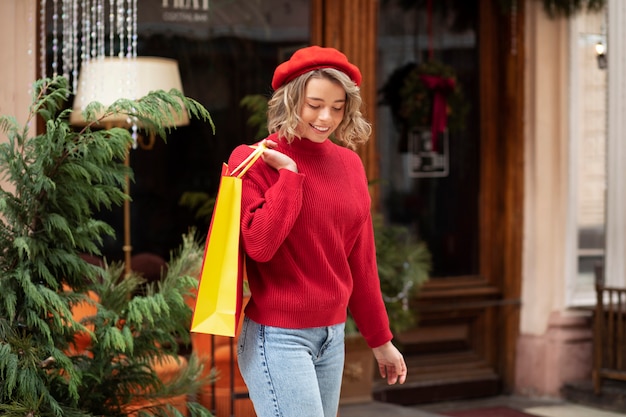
312 58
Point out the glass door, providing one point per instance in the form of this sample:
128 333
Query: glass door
431 185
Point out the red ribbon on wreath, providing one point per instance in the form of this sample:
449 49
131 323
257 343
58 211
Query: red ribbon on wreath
441 87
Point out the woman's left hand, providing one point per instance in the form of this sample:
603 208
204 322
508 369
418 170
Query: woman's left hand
391 363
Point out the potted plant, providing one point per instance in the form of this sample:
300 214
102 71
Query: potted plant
56 181
403 267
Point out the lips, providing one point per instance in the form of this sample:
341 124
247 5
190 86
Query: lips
320 128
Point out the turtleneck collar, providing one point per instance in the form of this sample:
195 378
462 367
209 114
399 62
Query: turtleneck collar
303 145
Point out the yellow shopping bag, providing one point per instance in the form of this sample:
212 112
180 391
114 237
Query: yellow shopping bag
220 291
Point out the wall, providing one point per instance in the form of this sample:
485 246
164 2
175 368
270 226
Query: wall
554 345
18 46
18 51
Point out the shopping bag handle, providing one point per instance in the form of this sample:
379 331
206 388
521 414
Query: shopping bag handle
250 160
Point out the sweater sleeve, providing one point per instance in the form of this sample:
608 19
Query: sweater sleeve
366 303
270 204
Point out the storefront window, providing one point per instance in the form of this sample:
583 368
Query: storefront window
226 49
431 186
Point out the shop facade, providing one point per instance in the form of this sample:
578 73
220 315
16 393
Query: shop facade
505 310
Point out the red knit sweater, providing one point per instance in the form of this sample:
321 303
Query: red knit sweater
309 241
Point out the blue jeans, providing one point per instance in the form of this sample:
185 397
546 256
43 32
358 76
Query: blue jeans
292 372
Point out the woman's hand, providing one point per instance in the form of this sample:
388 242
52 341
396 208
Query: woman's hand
275 159
391 363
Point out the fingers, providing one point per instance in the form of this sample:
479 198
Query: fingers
391 364
383 370
277 159
396 377
268 143
402 376
403 371
393 373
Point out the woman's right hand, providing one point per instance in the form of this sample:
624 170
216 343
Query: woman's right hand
276 159
391 364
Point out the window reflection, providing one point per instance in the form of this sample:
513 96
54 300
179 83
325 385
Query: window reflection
434 193
589 140
226 49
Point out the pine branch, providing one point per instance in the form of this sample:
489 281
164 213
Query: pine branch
156 112
57 182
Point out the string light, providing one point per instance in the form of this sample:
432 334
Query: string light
75 44
86 32
55 38
79 33
111 23
120 26
42 36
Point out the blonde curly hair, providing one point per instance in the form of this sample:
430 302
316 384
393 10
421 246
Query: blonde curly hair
283 113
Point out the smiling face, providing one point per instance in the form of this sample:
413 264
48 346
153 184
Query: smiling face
322 111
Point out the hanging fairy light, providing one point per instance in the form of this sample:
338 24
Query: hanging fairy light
42 36
55 38
79 30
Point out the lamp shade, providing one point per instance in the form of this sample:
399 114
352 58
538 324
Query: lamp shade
108 79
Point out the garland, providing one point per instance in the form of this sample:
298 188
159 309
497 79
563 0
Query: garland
553 8
565 8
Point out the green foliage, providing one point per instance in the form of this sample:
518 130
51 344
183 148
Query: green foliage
256 104
404 266
202 203
411 102
558 8
553 8
54 182
136 333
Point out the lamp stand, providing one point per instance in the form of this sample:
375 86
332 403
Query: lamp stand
127 248
108 79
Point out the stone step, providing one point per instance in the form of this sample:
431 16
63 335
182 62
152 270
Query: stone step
611 398
445 377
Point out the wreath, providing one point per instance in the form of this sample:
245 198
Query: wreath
427 94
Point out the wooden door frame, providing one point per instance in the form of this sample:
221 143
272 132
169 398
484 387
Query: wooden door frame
351 26
502 169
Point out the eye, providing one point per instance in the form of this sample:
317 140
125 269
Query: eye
313 106
338 108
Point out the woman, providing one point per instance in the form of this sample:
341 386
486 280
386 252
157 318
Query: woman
307 232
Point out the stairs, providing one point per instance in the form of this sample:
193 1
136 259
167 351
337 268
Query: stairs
441 377
612 396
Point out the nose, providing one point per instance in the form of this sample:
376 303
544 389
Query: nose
324 113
